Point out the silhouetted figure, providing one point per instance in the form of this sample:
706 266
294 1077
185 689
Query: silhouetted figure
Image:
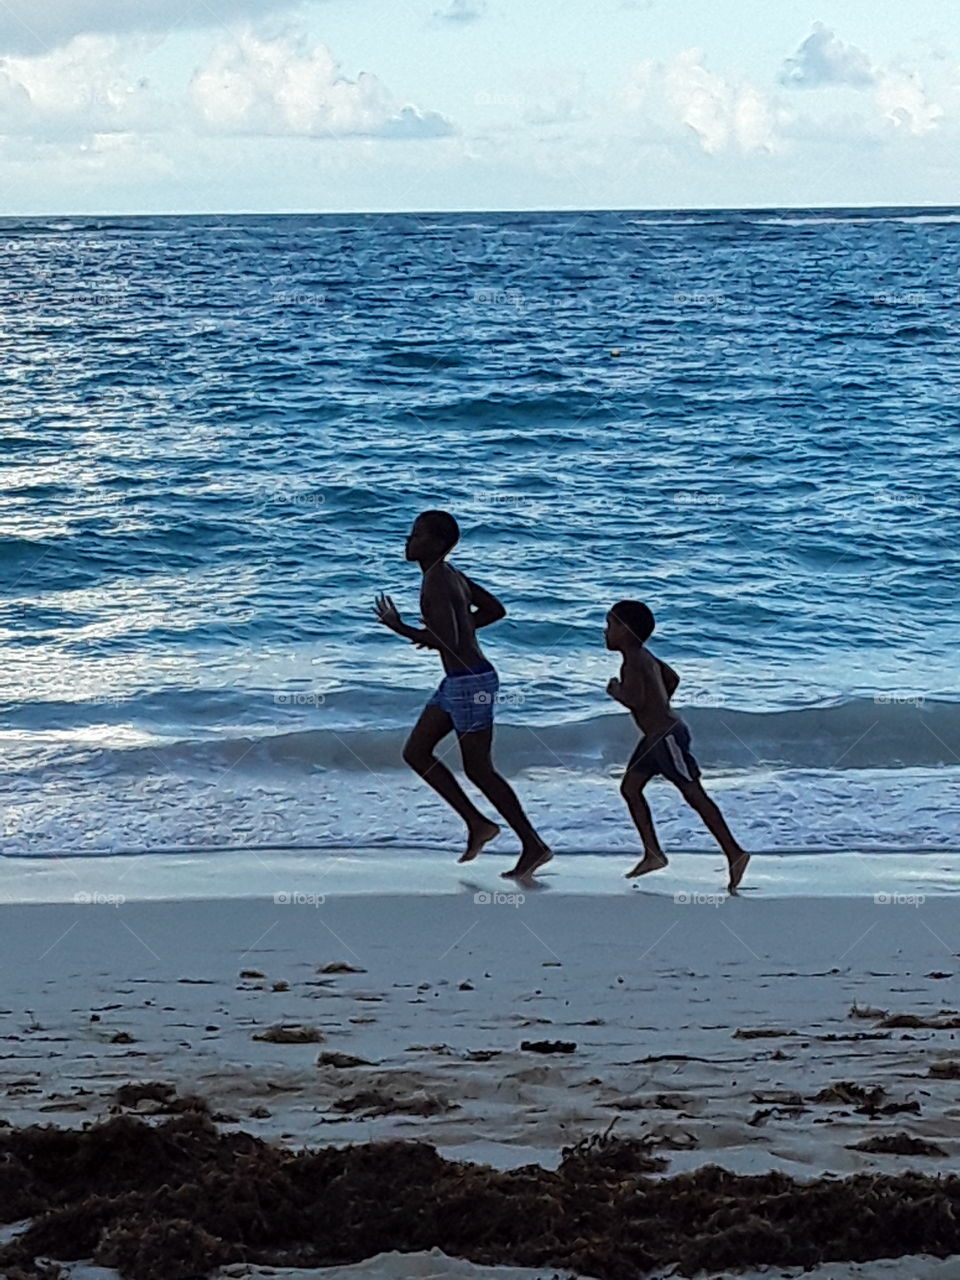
645 687
453 608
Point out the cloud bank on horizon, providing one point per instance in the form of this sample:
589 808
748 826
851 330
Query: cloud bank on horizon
103 100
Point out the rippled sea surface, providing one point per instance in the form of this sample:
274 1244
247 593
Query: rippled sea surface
214 434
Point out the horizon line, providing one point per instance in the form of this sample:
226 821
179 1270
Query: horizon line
384 213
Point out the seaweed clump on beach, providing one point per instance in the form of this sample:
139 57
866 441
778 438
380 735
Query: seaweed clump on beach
174 1200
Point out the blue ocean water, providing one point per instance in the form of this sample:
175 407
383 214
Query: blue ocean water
215 432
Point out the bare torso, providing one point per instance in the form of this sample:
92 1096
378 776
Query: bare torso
642 674
445 604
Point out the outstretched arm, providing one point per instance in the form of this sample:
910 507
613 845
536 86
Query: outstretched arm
485 606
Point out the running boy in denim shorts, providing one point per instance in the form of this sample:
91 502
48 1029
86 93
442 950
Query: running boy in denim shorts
453 608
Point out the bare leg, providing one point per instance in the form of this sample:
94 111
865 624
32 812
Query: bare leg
714 821
434 725
653 856
475 749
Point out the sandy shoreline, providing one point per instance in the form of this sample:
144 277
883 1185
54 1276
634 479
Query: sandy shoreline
758 1035
723 1008
188 875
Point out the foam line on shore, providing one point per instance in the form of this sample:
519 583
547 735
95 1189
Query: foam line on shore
288 876
406 846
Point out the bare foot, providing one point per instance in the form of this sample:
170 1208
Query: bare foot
651 861
738 866
531 860
477 839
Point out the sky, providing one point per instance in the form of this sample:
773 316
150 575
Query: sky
223 106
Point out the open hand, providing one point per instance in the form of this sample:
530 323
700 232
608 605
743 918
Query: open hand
387 612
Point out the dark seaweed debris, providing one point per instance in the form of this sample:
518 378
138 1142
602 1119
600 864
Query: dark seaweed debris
174 1200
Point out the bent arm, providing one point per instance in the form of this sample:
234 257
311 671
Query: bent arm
419 636
670 678
486 608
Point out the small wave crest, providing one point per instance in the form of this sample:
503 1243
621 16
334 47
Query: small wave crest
859 734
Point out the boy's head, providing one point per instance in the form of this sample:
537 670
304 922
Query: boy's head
433 536
628 622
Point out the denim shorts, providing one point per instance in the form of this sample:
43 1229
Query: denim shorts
468 698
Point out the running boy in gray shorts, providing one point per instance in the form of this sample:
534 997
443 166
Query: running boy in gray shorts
645 687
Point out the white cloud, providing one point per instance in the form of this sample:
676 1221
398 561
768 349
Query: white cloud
822 59
37 26
722 114
903 100
80 90
276 87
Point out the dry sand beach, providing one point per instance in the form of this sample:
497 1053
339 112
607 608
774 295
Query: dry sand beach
798 1036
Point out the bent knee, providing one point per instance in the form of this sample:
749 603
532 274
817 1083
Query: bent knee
631 784
418 759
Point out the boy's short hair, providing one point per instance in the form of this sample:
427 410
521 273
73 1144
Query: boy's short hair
636 617
443 527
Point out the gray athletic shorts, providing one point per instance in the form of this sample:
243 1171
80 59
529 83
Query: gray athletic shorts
668 754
